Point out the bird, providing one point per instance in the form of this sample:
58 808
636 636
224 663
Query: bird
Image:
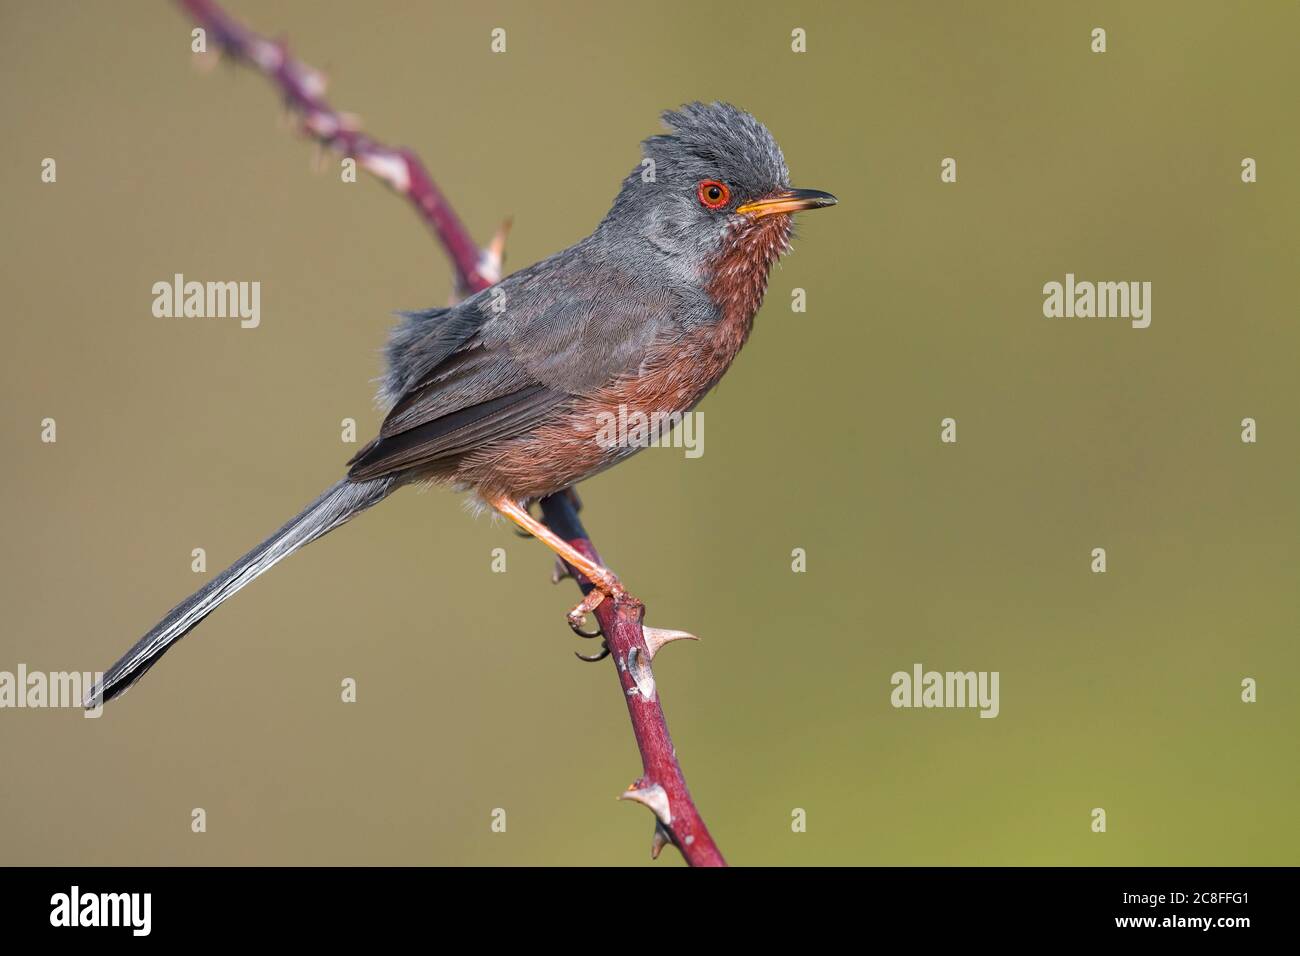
504 394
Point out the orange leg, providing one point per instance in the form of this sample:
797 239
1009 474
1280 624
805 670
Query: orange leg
604 581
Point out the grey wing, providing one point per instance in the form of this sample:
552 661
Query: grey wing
454 395
501 362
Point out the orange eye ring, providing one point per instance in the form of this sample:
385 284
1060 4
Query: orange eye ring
713 194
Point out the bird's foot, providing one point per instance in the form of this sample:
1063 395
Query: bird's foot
604 585
655 637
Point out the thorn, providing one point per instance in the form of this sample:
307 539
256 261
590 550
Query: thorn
266 54
320 124
389 166
278 53
657 637
660 840
560 571
494 256
654 797
312 81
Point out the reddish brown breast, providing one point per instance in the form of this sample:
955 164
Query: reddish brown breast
676 374
679 371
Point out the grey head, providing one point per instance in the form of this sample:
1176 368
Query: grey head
715 171
589 311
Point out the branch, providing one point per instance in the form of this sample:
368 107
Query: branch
661 787
304 93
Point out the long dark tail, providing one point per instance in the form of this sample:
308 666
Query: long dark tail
334 507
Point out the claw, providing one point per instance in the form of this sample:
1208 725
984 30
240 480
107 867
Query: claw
657 637
578 616
598 656
560 571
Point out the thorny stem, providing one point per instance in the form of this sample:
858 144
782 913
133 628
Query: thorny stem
662 786
620 623
304 93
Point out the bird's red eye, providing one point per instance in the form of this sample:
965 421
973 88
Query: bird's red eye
713 194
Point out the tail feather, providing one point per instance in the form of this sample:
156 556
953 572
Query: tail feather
334 507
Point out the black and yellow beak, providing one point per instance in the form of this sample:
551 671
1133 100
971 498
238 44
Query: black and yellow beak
788 200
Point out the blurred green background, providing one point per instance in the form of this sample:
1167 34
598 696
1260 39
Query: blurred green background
1119 691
